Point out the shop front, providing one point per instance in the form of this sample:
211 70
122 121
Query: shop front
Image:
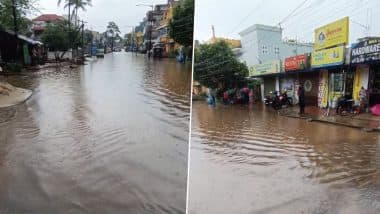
365 60
309 80
290 80
269 74
332 75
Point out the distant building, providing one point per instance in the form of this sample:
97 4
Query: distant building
40 22
233 43
262 43
155 26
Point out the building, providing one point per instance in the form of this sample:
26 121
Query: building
264 50
40 22
232 43
365 66
154 18
262 43
168 43
29 51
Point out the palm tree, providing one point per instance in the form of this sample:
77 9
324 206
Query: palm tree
80 4
68 4
77 4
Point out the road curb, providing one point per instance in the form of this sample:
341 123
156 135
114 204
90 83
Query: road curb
311 119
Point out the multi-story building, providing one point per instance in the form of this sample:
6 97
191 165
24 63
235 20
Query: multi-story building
264 51
262 43
163 28
40 22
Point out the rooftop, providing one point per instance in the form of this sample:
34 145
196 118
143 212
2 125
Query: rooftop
256 27
48 18
21 37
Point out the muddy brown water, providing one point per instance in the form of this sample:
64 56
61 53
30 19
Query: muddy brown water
251 160
107 137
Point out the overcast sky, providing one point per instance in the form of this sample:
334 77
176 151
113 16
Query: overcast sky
230 19
124 12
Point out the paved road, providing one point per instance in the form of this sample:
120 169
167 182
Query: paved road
251 160
107 137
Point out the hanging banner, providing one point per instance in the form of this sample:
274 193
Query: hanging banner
365 51
265 68
360 80
295 63
323 89
335 33
327 57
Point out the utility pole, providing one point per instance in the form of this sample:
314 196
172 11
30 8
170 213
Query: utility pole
70 27
133 42
137 42
112 38
150 35
150 20
83 40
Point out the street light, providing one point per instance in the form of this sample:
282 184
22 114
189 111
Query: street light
151 26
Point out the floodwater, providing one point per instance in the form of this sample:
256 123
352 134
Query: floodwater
107 137
251 160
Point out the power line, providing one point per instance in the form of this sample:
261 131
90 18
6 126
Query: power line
245 17
291 13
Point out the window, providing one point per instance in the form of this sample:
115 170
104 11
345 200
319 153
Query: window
265 49
277 50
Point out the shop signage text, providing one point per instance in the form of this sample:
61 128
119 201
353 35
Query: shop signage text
335 33
296 63
265 68
327 57
365 51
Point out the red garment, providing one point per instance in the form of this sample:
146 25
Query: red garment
225 95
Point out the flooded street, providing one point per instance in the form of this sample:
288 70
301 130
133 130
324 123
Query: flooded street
108 137
250 160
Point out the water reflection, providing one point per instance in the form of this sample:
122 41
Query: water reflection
265 163
109 137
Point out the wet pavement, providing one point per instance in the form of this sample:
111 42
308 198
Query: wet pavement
364 121
107 137
252 160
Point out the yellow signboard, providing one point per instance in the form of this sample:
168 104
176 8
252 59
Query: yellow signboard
335 33
327 57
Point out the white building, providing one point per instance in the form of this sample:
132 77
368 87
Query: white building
262 43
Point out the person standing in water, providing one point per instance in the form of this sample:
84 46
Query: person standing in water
301 97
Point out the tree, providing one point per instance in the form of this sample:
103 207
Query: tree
76 5
113 31
23 8
182 24
55 37
216 63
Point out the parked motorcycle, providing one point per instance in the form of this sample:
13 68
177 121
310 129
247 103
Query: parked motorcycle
268 100
281 100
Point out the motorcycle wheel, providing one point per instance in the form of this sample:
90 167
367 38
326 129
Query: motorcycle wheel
290 101
276 106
